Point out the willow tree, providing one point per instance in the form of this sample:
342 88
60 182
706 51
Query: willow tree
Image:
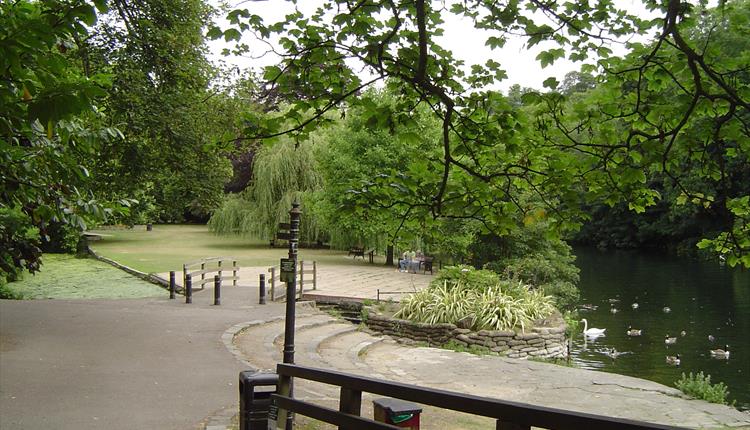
282 173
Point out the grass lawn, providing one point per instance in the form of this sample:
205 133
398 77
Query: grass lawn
168 247
67 277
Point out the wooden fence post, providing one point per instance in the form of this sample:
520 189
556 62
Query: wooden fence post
203 275
273 283
350 402
184 276
315 276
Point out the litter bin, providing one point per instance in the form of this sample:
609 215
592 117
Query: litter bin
254 402
397 412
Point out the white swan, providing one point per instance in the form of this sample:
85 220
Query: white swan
592 331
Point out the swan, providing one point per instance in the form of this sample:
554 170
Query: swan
673 360
634 332
721 353
592 331
669 340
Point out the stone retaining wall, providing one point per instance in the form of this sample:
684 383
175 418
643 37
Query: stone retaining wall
543 342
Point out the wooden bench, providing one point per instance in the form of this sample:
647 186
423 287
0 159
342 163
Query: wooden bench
357 252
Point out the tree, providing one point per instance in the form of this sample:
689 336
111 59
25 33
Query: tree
670 120
283 173
163 101
489 155
45 141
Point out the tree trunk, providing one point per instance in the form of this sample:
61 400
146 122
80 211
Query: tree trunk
389 255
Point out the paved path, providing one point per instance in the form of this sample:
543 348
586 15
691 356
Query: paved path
119 364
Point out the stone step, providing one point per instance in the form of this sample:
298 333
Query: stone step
343 352
258 343
309 341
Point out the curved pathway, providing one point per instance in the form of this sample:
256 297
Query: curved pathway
322 341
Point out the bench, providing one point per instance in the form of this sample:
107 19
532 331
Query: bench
357 252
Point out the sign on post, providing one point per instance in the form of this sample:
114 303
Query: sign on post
287 270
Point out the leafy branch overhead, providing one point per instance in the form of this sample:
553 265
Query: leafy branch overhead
676 103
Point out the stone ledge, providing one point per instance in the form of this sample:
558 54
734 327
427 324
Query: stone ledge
545 340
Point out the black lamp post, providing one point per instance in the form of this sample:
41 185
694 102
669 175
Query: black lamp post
291 284
291 292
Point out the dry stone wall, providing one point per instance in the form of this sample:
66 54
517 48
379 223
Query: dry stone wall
544 342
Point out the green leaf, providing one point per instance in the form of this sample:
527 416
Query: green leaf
551 83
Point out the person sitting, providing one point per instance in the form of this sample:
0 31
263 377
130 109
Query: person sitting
403 263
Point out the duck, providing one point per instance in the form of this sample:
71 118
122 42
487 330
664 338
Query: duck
593 332
589 307
634 306
666 309
614 300
721 353
613 310
634 332
711 338
674 360
669 340
683 333
613 353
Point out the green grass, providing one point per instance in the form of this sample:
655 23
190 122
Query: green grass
67 277
168 247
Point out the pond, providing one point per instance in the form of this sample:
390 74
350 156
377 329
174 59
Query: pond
704 299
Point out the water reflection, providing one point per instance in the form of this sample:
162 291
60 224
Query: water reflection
674 295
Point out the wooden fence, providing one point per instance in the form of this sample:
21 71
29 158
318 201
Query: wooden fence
278 292
214 265
509 415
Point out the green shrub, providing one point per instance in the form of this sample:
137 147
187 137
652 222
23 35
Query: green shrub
7 293
572 322
699 386
502 306
466 276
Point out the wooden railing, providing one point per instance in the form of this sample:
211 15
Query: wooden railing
508 415
215 265
274 282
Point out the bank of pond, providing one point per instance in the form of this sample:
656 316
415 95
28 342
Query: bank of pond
682 306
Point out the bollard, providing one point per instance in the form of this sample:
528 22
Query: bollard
171 284
189 288
262 290
217 290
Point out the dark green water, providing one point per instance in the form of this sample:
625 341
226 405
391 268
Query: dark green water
705 299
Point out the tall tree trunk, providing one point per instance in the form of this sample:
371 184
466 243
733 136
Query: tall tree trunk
389 255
